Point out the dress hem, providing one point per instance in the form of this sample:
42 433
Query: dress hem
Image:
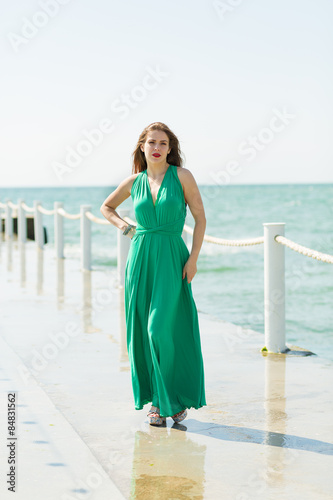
196 407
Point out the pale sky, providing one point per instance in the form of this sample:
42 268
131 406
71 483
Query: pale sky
245 85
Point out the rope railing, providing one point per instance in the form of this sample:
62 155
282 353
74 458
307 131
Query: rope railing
273 240
12 205
235 243
97 220
45 211
65 214
26 208
308 252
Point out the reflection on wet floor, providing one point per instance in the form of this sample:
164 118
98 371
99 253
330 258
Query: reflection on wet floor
88 301
9 248
23 274
100 302
60 265
22 259
40 270
87 304
276 419
167 464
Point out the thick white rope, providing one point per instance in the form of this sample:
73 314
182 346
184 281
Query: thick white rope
222 241
12 205
65 214
308 252
98 220
26 208
235 243
45 211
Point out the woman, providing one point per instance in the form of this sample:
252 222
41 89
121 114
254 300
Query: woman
163 338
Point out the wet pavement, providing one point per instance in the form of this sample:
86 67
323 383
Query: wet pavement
266 432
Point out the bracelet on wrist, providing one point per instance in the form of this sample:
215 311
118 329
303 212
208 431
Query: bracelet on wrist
128 229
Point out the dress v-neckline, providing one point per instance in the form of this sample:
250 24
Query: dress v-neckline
158 193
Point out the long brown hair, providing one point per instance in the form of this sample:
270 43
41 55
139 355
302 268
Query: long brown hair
173 158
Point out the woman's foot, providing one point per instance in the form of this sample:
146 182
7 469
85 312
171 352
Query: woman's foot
178 417
154 416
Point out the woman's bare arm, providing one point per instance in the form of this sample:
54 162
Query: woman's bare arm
118 196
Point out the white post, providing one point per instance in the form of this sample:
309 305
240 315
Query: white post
123 246
58 231
9 221
274 273
85 234
38 226
21 223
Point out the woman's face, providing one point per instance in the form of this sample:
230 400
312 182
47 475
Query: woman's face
156 148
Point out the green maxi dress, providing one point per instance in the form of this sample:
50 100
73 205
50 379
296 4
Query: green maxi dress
163 338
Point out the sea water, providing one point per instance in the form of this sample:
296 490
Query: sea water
229 283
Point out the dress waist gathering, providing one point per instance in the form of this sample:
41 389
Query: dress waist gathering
161 229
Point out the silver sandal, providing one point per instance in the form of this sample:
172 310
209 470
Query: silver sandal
178 417
154 416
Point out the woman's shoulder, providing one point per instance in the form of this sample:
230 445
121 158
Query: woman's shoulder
184 175
132 177
131 180
183 171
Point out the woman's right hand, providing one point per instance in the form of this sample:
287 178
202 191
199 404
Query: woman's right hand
131 233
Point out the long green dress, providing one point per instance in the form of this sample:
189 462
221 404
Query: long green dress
163 338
